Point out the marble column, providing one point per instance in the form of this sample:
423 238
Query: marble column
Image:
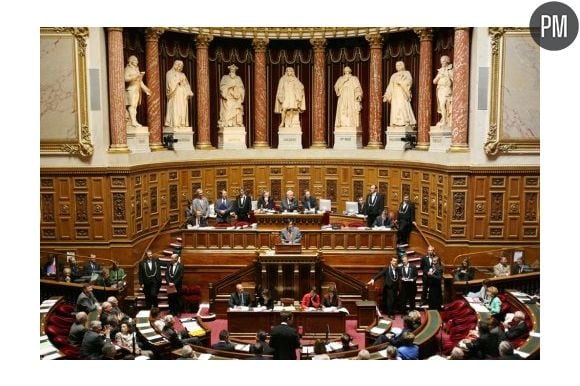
375 93
319 95
152 74
260 102
203 136
116 91
425 86
460 102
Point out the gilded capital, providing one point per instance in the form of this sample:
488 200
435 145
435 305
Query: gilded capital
115 29
154 33
424 33
318 43
375 40
260 44
203 40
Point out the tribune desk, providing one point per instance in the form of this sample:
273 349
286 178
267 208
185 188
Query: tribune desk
277 221
310 322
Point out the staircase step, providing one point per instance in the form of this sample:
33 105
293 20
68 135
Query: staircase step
178 239
175 245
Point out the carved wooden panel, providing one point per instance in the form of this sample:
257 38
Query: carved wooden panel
119 231
457 231
425 177
425 221
138 207
496 232
532 181
531 206
331 191
384 189
530 232
276 171
480 187
248 171
514 186
358 189
439 202
221 172
154 222
97 190
152 177
331 171
82 233
172 175
153 199
121 182
479 207
496 210
196 173
81 208
47 205
459 181
498 182
119 207
276 189
80 183
383 172
303 184
173 196
248 186
358 172
425 199
46 183
405 189
458 206
194 186
220 186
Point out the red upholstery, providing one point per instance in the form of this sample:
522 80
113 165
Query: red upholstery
71 352
61 321
240 224
252 218
64 309
326 218
52 331
191 295
223 225
355 224
60 341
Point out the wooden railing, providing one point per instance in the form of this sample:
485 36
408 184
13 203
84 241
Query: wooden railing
484 261
524 282
61 258
350 289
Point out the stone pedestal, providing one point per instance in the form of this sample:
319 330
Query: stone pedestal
347 138
439 139
290 138
184 136
394 135
233 138
138 139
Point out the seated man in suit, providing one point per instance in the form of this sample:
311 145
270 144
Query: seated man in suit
311 299
520 267
309 202
383 220
239 298
224 342
223 209
361 205
289 204
92 266
502 268
86 301
290 234
265 202
243 206
517 327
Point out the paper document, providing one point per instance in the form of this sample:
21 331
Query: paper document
243 347
307 349
54 355
204 356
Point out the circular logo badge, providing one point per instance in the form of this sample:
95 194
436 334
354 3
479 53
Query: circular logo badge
554 26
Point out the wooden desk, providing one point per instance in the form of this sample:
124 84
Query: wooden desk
312 322
277 221
366 312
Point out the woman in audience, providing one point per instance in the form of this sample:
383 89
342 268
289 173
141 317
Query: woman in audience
482 293
408 350
331 299
465 272
415 317
127 340
155 320
494 304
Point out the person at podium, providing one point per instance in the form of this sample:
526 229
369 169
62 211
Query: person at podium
289 204
239 298
290 234
311 299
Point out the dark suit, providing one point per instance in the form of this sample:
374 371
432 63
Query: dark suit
223 204
284 340
237 299
224 346
92 345
91 268
266 205
425 265
409 287
86 303
391 277
434 298
174 275
516 331
150 279
243 209
373 207
267 350
361 207
309 203
406 218
290 237
289 206
334 302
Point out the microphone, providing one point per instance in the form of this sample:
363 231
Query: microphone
327 332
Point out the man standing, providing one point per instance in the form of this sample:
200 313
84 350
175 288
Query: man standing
239 298
174 279
289 204
391 275
434 276
92 266
284 339
309 202
150 279
223 209
290 234
426 264
409 283
375 204
200 208
243 206
405 220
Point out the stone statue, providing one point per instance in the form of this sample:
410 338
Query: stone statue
290 99
444 82
133 86
231 98
398 94
178 92
348 107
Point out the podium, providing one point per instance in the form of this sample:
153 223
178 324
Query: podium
291 249
366 313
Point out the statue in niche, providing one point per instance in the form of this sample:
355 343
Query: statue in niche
290 100
232 95
444 82
133 86
348 107
178 92
398 94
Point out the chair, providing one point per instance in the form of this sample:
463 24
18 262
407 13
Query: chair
52 331
191 296
59 321
287 301
355 224
64 309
